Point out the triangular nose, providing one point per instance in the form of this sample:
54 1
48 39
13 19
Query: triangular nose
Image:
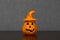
29 26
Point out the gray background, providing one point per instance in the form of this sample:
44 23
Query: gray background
12 13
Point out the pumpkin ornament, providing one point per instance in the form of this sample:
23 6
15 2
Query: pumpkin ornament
30 27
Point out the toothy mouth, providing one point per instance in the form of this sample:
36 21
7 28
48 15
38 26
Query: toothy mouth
30 30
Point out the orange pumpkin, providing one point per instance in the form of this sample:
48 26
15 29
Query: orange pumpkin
30 26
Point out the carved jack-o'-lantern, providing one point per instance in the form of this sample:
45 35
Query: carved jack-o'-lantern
30 26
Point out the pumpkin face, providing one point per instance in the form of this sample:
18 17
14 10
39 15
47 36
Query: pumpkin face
29 28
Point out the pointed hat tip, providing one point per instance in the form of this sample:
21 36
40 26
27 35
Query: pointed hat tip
30 15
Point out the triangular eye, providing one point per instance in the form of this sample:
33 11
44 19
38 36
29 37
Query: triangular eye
27 23
32 23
